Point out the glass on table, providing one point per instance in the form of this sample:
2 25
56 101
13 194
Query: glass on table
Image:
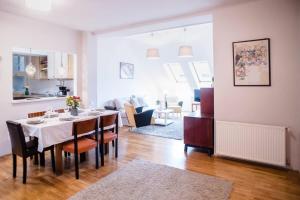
92 106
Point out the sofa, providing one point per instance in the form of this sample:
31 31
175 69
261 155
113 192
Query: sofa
118 104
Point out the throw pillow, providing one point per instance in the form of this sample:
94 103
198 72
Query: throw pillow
142 101
120 103
134 101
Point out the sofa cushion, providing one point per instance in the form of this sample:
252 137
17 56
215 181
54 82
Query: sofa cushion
119 102
110 103
142 101
134 101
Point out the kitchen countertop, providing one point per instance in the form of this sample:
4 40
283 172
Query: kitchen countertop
38 99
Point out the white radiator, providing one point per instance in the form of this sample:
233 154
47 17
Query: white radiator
260 143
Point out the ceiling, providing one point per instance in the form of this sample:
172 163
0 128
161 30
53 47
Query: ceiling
97 15
188 35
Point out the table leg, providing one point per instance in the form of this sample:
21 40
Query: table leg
58 159
166 118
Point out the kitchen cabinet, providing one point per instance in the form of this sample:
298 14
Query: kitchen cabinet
49 64
60 65
39 59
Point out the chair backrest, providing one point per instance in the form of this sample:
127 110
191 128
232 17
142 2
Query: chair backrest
108 120
173 100
130 111
42 113
61 110
36 114
85 126
17 138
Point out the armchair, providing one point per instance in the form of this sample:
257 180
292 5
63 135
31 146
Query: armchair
174 104
136 117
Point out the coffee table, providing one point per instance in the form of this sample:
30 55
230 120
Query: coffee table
163 121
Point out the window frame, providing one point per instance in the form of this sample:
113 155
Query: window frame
169 66
193 66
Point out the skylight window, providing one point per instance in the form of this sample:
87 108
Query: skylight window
201 73
175 69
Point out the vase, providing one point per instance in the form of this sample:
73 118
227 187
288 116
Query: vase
74 111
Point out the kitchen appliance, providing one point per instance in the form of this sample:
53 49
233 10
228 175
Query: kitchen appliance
63 90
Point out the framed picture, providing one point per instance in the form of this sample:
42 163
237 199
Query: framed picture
126 70
251 63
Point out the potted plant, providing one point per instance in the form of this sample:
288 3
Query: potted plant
73 103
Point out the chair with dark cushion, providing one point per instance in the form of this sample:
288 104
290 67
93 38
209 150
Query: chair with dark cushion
20 147
139 109
110 108
83 144
51 148
138 119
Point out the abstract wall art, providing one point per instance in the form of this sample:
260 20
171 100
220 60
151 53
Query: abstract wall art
126 70
251 63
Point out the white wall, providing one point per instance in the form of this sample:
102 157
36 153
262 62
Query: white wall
151 78
275 105
88 72
112 51
22 32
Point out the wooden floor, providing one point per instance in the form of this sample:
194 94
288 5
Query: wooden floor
250 181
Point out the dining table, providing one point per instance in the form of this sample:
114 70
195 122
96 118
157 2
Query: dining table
55 131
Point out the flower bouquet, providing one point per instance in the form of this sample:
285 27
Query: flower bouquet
73 103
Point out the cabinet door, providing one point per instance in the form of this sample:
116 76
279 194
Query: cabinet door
198 131
71 62
36 63
63 65
59 65
51 66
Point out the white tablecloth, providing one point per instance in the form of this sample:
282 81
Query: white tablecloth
53 131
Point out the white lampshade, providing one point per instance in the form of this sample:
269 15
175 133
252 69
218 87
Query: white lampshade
185 51
30 69
152 53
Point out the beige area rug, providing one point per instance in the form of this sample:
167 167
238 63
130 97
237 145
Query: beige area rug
143 180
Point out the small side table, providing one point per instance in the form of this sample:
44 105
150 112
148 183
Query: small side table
195 104
163 121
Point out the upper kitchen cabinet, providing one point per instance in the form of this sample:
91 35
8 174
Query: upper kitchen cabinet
61 65
23 57
45 64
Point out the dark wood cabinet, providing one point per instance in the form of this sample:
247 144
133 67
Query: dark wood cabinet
199 127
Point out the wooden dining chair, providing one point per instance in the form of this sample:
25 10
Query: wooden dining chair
42 113
20 147
83 144
107 136
61 110
36 114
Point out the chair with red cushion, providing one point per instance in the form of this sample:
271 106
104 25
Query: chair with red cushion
110 135
83 144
